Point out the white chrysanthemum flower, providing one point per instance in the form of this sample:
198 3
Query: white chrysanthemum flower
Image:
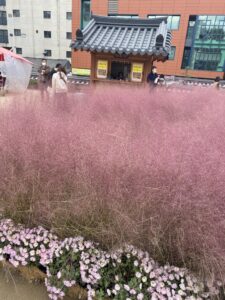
138 274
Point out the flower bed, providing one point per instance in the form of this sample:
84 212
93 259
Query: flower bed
77 267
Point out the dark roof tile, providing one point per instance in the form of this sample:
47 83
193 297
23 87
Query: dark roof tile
125 36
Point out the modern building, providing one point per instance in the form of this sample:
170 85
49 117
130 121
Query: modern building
198 30
37 28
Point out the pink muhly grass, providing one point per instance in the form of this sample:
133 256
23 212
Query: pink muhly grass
124 165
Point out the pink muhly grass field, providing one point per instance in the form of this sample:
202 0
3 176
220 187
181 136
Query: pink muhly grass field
124 165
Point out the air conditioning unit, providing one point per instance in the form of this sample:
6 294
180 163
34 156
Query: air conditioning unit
10 15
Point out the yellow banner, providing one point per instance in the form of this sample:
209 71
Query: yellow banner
137 71
102 68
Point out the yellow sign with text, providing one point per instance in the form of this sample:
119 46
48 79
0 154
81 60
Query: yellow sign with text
81 72
102 69
137 72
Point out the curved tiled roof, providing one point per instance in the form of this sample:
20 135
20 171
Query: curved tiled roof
125 36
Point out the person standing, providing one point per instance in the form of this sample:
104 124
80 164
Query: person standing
153 77
43 78
59 88
161 81
1 84
52 72
216 83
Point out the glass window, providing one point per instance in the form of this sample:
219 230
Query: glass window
69 35
85 12
16 13
69 15
3 18
17 32
68 54
206 43
172 53
186 57
47 34
4 36
173 22
2 3
47 14
19 51
206 58
47 52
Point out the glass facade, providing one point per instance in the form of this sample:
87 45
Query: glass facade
205 44
85 12
173 22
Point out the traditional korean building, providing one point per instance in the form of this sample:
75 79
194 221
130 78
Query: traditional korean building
123 49
198 32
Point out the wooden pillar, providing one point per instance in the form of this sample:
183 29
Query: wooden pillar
93 67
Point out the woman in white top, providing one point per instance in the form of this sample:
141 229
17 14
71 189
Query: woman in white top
59 87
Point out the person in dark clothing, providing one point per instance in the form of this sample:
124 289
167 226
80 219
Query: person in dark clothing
1 81
43 78
152 78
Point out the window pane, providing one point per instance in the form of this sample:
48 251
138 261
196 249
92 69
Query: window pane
2 2
17 32
172 53
4 36
47 34
3 18
175 22
47 15
69 15
169 22
156 16
69 35
47 52
16 13
19 50
86 13
207 43
68 54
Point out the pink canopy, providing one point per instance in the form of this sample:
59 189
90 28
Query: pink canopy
4 52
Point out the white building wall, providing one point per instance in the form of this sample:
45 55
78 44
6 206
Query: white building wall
32 25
